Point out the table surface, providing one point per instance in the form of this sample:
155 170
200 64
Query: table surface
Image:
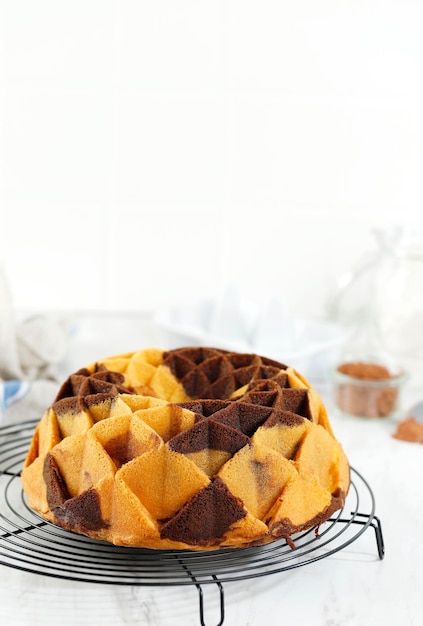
352 587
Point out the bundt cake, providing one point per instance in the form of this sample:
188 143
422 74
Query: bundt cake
194 448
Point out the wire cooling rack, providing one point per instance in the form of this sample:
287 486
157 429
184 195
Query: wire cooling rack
31 544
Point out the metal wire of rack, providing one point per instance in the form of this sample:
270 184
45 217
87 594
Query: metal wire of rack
31 544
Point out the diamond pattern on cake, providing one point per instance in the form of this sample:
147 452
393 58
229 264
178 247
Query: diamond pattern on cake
125 438
209 444
212 373
257 474
283 432
194 448
172 480
242 416
303 498
132 523
197 522
321 455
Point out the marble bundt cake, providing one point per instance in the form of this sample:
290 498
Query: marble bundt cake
193 448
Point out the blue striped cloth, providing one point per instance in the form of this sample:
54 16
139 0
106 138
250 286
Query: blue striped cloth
11 391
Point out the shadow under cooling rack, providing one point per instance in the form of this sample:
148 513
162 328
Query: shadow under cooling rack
29 543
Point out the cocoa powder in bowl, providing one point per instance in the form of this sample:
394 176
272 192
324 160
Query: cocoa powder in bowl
366 389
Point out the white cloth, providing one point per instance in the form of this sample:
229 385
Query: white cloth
30 353
312 346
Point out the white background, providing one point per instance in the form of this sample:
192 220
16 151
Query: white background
153 152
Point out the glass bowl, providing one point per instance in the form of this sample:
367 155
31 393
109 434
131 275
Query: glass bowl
368 389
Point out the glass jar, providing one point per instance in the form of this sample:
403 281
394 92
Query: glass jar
380 303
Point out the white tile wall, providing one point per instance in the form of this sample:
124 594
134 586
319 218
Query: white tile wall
152 152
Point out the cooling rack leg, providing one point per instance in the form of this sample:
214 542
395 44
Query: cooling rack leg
367 520
377 527
379 537
201 595
222 602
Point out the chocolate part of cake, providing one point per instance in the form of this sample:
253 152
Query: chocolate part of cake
197 522
362 400
85 388
81 513
57 491
211 435
170 470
